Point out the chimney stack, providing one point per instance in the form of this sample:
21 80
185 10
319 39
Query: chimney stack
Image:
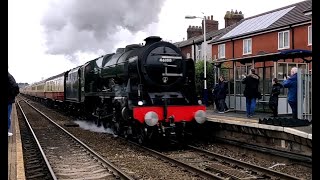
211 25
232 17
193 31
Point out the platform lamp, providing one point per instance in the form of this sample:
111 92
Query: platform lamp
205 91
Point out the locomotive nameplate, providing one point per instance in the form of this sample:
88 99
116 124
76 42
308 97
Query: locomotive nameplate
166 59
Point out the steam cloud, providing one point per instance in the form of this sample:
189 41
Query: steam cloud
89 26
93 127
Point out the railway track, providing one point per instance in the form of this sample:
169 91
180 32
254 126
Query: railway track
307 160
64 155
236 169
208 165
214 166
35 162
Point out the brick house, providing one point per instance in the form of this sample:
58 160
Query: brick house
285 28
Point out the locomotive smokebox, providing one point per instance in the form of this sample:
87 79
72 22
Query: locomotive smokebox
152 39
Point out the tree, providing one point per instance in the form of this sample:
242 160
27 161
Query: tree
199 67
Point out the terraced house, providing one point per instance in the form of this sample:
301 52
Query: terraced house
257 42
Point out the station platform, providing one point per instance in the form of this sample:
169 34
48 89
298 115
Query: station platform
240 118
15 154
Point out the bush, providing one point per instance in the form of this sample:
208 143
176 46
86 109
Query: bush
199 67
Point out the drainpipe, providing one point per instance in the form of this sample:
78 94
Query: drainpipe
234 78
292 36
232 48
194 51
292 39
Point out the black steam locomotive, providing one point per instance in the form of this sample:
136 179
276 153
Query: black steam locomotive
140 91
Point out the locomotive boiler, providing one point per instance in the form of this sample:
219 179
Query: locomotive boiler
140 91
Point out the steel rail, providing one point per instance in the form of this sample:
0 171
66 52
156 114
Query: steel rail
245 164
116 170
38 144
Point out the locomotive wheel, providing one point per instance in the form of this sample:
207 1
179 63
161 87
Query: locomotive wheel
115 128
97 122
141 136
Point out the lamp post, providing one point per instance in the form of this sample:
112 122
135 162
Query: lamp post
205 91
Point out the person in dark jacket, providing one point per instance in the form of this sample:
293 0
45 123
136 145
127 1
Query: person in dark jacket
291 84
13 91
251 91
273 101
221 94
215 90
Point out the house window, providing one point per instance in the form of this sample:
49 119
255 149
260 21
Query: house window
283 40
247 46
199 51
309 35
221 51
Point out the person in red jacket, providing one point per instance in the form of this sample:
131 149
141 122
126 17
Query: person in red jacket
13 91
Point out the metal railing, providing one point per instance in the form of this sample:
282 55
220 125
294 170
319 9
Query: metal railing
304 95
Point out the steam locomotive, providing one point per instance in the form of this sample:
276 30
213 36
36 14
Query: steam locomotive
139 91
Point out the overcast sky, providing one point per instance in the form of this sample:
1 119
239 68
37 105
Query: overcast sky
47 37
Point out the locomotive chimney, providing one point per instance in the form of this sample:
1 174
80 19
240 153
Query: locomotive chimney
120 50
152 39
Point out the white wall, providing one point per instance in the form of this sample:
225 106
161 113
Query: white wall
200 56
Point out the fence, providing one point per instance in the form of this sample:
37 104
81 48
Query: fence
304 95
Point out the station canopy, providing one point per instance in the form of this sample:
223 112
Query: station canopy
306 55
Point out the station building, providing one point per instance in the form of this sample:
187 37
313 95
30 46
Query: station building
255 42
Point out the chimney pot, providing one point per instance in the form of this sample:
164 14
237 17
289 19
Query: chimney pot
211 17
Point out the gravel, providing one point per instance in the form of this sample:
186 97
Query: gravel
132 160
143 166
268 161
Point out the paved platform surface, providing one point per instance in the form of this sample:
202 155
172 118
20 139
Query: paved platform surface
15 153
240 118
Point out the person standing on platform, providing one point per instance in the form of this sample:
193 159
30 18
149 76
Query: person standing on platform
251 91
13 91
273 101
221 95
291 84
215 96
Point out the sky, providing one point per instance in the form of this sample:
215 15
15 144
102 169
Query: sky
48 37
